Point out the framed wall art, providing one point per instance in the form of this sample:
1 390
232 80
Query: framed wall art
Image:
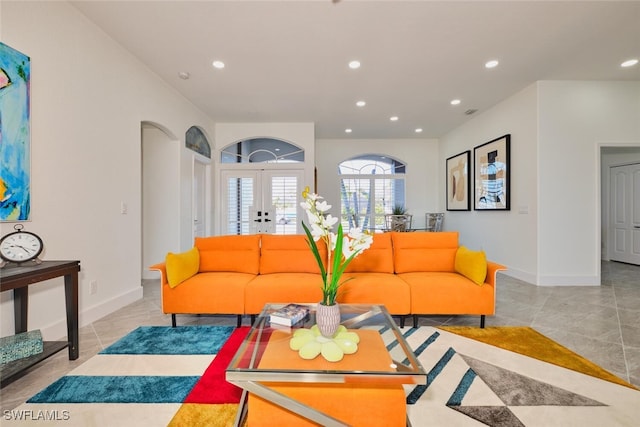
492 175
15 163
458 183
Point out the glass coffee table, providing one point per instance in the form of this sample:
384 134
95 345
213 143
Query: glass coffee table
275 378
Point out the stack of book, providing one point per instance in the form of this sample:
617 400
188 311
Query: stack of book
289 315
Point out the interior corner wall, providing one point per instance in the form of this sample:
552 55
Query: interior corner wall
420 155
89 97
575 119
507 237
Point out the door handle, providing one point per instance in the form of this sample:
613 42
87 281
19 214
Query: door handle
257 220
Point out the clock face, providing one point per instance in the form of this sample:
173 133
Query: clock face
20 247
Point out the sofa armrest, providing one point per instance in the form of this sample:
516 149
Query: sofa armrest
162 268
492 272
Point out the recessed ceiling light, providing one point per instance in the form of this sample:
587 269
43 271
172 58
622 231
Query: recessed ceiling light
354 65
218 64
393 118
455 102
491 64
361 103
348 130
419 130
629 63
184 75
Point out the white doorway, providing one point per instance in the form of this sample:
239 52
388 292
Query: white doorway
160 182
201 196
625 213
261 201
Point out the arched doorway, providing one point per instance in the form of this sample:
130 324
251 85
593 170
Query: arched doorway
160 184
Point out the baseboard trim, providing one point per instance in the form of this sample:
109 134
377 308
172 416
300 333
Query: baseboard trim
520 275
552 280
569 281
58 330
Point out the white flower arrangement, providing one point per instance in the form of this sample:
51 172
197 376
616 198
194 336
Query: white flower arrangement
341 249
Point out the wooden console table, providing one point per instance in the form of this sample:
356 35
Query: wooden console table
18 278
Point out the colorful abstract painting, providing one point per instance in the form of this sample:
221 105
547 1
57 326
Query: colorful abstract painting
492 175
15 70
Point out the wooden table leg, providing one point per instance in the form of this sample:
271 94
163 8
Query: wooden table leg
20 308
71 296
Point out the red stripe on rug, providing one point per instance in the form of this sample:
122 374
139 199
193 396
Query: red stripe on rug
212 386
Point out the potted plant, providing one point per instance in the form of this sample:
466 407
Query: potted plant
341 250
398 219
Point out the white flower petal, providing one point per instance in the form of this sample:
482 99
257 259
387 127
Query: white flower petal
330 221
323 206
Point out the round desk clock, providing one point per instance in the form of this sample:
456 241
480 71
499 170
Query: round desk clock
20 246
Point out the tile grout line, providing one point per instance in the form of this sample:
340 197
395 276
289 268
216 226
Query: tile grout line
624 351
540 310
97 336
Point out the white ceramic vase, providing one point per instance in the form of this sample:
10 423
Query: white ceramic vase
328 319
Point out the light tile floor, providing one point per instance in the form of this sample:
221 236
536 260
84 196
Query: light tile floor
601 323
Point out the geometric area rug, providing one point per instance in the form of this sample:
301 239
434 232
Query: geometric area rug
470 380
175 376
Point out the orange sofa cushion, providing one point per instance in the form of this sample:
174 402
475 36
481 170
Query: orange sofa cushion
207 293
424 251
240 254
356 404
281 288
448 293
289 254
376 288
377 259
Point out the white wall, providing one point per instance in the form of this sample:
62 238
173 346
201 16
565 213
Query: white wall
422 176
575 119
89 98
557 130
507 237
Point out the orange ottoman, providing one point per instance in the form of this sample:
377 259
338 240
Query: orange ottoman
377 403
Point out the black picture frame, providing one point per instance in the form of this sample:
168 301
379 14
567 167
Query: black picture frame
492 175
458 181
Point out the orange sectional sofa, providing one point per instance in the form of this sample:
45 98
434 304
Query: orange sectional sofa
410 273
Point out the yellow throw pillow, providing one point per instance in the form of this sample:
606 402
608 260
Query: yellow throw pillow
471 264
182 266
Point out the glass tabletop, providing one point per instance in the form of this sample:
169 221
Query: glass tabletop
382 355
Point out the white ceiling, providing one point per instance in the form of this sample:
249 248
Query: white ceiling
286 61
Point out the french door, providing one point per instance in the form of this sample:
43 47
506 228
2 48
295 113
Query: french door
261 201
200 198
625 214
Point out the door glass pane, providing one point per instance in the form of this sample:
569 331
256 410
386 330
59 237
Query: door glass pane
262 150
284 199
370 187
365 201
239 200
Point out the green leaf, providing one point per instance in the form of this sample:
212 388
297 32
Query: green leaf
316 253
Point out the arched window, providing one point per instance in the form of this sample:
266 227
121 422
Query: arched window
196 140
371 186
262 150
